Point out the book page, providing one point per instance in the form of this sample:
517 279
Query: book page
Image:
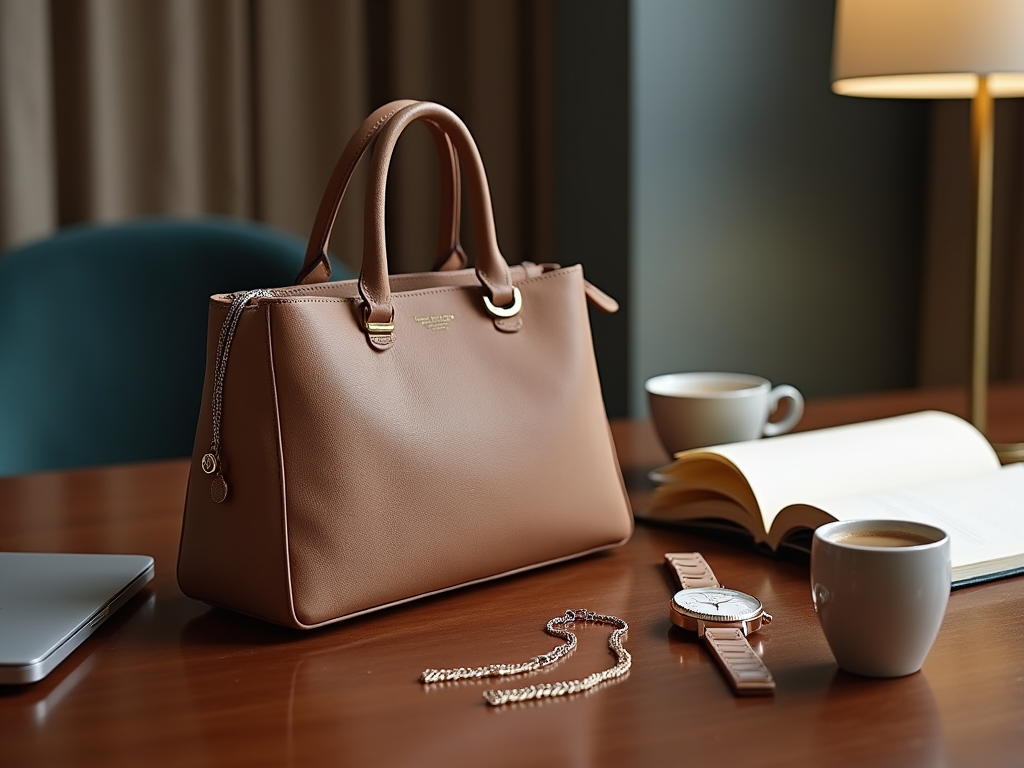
814 467
983 515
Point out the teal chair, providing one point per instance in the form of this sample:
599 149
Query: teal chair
103 335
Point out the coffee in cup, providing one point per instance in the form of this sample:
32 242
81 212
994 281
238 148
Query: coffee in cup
693 410
878 538
880 590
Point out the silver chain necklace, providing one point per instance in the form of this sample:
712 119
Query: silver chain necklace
557 628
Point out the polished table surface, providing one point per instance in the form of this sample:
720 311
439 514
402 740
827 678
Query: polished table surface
171 681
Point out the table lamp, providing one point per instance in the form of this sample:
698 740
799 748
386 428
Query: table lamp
942 49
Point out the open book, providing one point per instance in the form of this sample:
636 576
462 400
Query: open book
928 467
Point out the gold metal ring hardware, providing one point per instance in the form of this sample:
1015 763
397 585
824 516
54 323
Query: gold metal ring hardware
209 463
377 329
510 311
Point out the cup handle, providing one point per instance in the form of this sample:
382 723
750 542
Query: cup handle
796 409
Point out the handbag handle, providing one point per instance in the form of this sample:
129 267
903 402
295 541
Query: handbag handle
315 266
492 270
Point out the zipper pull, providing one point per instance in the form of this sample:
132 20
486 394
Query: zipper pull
211 463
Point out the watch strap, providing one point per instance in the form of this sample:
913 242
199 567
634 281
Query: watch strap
691 570
743 668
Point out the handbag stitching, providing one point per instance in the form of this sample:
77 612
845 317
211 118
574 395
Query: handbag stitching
298 290
301 289
357 156
279 445
288 299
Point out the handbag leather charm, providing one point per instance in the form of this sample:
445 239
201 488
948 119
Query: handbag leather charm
369 442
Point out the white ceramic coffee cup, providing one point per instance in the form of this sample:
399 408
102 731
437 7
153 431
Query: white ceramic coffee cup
692 410
880 605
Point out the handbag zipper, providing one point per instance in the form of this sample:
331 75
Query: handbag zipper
211 463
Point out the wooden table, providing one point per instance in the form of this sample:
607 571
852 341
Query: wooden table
170 681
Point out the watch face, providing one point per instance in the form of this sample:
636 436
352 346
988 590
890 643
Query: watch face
716 604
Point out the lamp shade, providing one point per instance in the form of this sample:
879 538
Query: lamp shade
930 49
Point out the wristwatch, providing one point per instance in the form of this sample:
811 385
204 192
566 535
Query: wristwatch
724 618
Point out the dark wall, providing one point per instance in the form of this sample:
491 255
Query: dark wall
746 217
592 169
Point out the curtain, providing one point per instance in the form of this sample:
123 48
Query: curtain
948 268
115 109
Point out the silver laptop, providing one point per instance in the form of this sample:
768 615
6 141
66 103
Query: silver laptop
50 603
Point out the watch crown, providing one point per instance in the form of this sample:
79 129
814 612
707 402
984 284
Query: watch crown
766 618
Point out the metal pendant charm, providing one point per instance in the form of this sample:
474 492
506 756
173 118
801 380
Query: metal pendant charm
218 489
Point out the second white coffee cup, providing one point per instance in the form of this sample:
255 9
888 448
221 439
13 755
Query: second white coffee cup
880 589
693 410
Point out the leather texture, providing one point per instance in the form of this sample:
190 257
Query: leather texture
491 268
746 673
691 570
316 267
368 468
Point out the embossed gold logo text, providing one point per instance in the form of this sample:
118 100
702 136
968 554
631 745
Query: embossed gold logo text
435 322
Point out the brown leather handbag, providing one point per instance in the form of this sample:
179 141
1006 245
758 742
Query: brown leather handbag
365 443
